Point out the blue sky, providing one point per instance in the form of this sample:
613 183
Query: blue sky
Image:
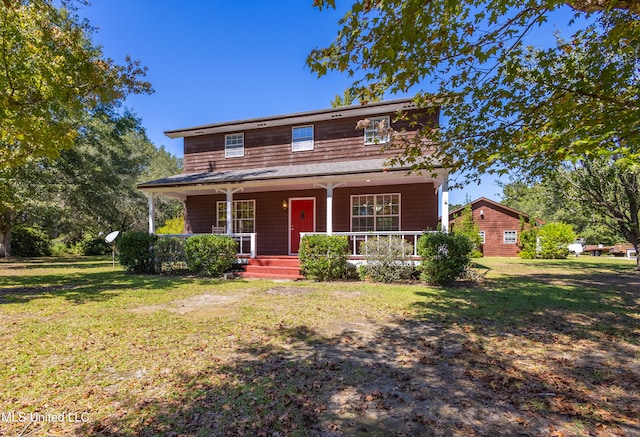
214 61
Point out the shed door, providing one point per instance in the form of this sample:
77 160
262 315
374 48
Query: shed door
302 219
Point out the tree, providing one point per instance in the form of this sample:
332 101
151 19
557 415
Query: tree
507 107
611 190
90 188
599 196
466 226
551 200
14 187
51 73
554 240
347 99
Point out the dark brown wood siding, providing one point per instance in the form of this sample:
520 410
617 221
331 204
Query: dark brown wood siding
419 211
495 221
418 205
334 140
200 213
272 221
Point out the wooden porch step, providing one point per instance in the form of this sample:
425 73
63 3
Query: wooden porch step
273 276
282 261
284 268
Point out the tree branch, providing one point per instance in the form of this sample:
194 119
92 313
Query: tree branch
604 5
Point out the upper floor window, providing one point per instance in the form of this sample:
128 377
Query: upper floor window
234 145
302 138
510 237
376 131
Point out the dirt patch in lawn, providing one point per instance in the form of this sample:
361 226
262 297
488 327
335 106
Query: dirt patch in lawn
203 305
417 378
290 291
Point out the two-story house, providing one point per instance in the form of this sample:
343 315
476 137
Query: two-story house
267 180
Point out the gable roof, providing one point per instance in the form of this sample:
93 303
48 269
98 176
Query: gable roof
493 203
296 118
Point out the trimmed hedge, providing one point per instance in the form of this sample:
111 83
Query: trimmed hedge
135 251
445 257
210 255
324 257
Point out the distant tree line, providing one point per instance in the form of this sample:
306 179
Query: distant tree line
70 155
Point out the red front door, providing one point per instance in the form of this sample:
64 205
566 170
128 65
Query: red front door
302 218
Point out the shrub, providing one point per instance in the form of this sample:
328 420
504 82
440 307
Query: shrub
555 239
135 251
528 243
59 247
445 257
528 239
465 225
95 246
172 226
388 259
169 255
29 241
210 255
324 257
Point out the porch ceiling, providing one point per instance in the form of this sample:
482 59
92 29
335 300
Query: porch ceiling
296 177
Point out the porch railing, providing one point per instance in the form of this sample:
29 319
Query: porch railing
355 238
247 242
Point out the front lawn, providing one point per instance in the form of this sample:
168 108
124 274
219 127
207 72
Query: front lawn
539 348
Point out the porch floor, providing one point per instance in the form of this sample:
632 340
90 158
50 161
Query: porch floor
272 267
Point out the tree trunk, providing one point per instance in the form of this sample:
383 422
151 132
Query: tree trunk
5 242
6 222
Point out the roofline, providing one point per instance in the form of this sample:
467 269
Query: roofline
151 185
493 202
296 118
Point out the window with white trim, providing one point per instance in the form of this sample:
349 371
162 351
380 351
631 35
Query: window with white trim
375 212
302 138
510 237
243 214
376 131
234 145
482 237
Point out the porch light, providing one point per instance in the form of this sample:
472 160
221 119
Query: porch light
284 204
481 213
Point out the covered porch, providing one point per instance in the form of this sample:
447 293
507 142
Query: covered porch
268 210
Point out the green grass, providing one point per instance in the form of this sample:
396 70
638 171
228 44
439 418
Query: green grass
150 355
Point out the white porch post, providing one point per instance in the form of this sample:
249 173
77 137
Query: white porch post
229 192
229 211
445 203
329 208
152 214
329 187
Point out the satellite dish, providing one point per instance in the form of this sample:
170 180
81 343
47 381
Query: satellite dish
110 239
112 236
